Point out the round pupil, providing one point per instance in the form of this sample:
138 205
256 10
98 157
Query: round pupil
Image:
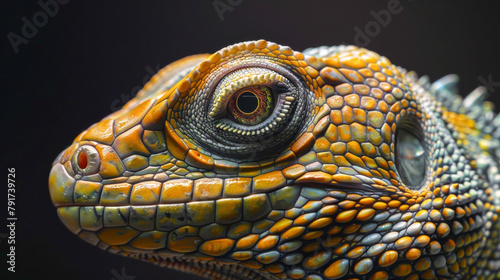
247 102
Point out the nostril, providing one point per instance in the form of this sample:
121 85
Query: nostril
82 160
86 160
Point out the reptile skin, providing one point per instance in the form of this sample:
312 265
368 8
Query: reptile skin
340 165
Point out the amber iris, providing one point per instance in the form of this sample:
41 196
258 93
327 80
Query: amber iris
251 105
82 160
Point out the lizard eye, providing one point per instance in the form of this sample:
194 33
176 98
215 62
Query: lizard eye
248 113
252 105
252 101
410 156
86 160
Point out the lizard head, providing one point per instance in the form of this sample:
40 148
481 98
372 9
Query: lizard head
263 162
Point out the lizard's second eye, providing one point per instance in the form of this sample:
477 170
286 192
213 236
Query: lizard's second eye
252 105
410 156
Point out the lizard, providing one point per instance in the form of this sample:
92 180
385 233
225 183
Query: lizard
261 162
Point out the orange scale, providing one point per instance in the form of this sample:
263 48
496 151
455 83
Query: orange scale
267 242
247 241
293 233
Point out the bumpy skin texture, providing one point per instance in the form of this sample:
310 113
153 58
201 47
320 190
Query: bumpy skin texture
317 195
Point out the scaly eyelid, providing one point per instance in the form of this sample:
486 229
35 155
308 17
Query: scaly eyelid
238 80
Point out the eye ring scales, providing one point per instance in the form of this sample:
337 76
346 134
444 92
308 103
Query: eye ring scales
86 160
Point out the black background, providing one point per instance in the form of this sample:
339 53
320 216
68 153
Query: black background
73 71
